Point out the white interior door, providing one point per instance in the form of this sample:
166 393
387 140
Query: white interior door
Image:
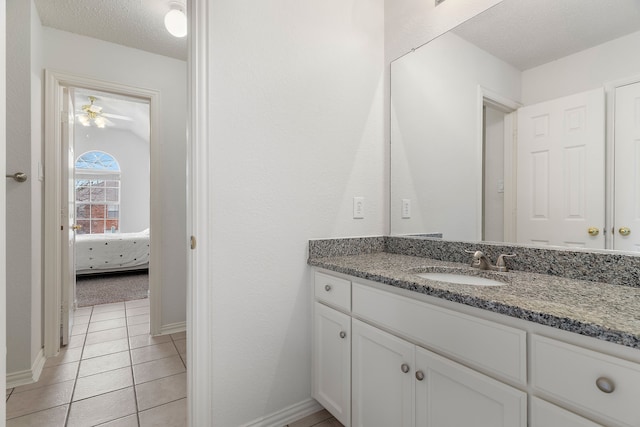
68 217
626 224
561 171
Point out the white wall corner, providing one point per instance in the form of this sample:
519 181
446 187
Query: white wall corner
287 415
28 376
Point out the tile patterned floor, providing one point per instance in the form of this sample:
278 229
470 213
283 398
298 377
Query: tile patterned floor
319 419
112 374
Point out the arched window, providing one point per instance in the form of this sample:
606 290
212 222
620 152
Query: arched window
97 177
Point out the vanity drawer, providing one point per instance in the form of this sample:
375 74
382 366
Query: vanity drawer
333 290
570 373
485 345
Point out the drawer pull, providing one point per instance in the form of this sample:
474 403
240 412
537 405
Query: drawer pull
404 368
419 375
327 288
605 385
343 334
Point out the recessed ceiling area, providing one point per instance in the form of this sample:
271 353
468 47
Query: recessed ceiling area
552 29
134 23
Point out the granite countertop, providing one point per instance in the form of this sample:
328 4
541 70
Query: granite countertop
595 309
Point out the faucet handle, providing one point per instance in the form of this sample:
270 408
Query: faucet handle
476 259
500 262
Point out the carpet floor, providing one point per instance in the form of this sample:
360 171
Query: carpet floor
113 287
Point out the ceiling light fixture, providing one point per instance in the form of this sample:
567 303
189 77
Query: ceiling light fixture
175 20
92 112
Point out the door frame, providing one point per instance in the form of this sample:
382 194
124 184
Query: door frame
610 102
507 106
200 277
53 204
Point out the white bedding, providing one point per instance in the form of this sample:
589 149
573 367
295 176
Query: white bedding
112 252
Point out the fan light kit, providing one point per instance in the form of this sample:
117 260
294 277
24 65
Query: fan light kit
92 113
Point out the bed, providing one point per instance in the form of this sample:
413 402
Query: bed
102 253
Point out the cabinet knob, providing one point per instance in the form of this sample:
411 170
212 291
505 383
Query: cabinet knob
404 368
593 231
625 231
343 334
327 288
419 375
605 385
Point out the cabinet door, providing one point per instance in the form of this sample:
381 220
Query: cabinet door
383 393
451 395
544 414
332 362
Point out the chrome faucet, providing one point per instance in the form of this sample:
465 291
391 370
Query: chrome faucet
481 261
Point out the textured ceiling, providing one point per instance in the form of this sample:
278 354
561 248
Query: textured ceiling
528 33
134 23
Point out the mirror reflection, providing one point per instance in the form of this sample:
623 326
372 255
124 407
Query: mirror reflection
522 126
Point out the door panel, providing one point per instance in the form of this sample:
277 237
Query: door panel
382 394
561 145
627 162
451 395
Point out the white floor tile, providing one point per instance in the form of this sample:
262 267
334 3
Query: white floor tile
105 336
130 421
161 391
156 369
173 414
147 340
137 303
104 348
54 417
137 311
105 308
104 382
109 362
38 399
107 324
142 329
109 315
101 409
153 352
138 320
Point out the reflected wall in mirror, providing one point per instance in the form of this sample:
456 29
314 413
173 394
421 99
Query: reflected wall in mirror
522 125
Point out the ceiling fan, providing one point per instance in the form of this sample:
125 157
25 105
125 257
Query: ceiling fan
92 113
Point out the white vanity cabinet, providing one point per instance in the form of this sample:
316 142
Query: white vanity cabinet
384 358
332 346
396 383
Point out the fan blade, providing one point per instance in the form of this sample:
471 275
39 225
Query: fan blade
117 116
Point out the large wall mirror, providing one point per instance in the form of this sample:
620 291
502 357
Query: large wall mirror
522 125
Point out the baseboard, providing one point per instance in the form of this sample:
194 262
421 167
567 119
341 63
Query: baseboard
173 328
28 376
287 415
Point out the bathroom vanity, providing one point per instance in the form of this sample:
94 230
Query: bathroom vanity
391 348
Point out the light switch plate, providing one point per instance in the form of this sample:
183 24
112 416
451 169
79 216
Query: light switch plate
358 207
406 208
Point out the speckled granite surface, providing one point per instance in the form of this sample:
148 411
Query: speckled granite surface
609 267
602 310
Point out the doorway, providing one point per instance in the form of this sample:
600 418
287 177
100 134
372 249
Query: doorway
110 197
62 92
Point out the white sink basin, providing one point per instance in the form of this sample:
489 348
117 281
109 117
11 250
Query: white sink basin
461 279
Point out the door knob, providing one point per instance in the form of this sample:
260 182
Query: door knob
593 231
404 368
76 227
625 231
